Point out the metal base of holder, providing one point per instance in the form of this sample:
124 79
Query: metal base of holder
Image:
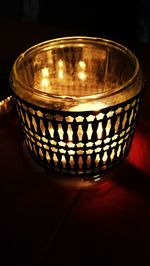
81 182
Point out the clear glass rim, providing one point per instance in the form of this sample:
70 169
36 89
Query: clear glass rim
14 77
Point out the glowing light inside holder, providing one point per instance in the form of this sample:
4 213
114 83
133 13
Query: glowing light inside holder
45 82
76 141
79 113
60 69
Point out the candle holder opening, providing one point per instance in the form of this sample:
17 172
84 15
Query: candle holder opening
77 100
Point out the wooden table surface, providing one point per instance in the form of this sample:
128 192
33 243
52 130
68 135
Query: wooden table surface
43 222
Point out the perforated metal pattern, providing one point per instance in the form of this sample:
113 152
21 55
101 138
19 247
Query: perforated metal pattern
78 142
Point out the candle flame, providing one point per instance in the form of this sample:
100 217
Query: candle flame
60 73
82 64
44 83
60 63
82 75
45 72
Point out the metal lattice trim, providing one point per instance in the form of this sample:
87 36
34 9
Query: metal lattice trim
78 142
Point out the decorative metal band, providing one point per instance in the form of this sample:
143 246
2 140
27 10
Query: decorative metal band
78 142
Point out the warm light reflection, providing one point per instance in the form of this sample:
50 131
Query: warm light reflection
96 106
80 45
82 75
82 64
45 72
102 54
60 73
82 68
44 83
60 63
2 103
60 69
139 153
6 105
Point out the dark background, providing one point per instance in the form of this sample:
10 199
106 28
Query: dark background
40 221
124 20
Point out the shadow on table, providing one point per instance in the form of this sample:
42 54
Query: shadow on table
133 179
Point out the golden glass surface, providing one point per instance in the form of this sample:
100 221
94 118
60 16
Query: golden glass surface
77 100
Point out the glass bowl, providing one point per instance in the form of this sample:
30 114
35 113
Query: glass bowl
77 100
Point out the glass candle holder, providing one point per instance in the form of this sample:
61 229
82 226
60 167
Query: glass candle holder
77 100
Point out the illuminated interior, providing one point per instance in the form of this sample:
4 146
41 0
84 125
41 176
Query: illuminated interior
73 70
